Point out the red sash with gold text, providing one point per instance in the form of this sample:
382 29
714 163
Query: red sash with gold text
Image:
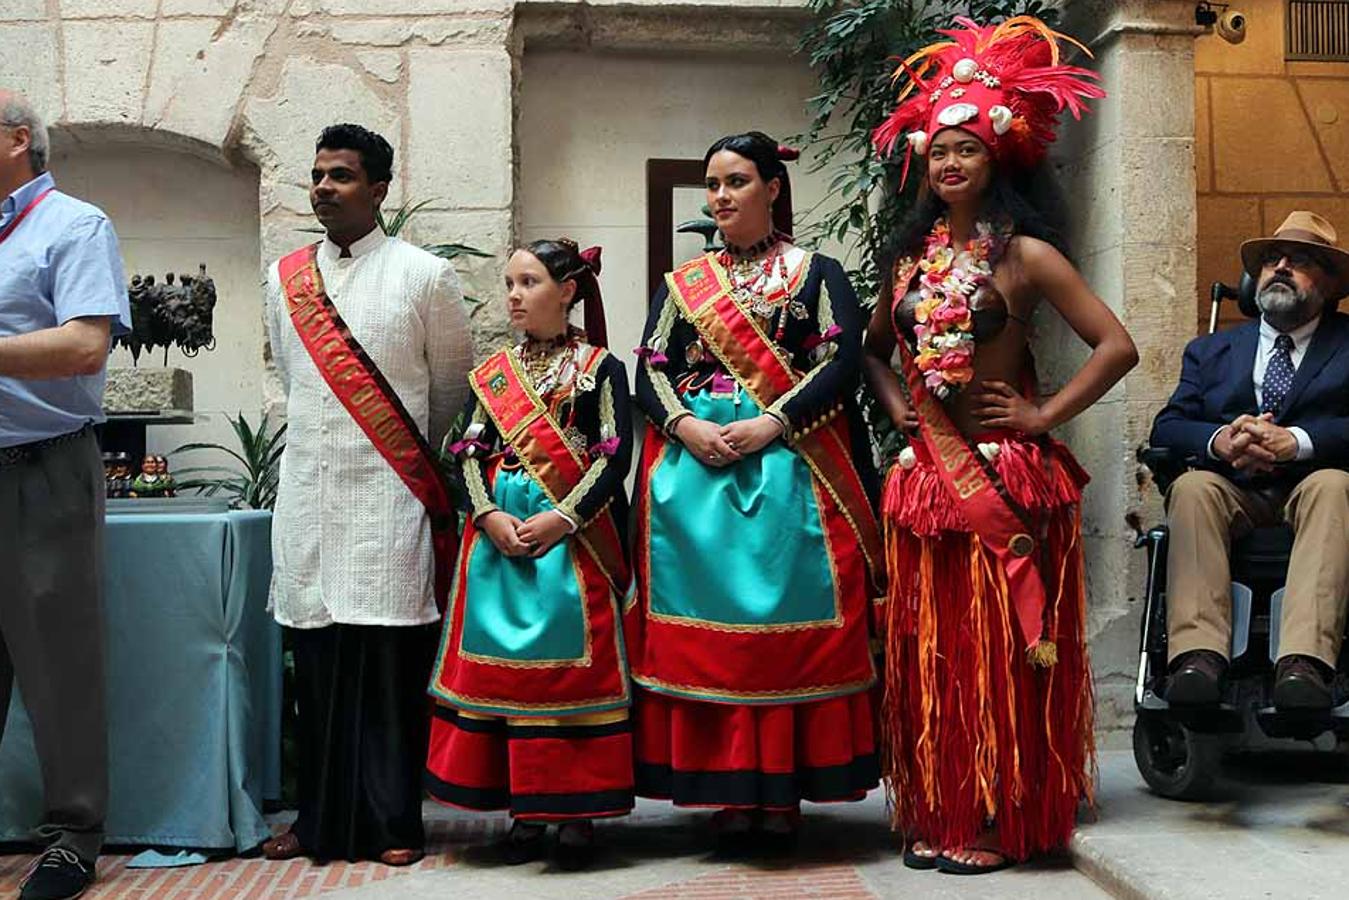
365 393
703 291
525 424
975 489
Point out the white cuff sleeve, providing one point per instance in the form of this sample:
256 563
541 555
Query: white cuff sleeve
1305 449
570 521
1208 451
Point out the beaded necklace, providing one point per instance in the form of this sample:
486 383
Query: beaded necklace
551 363
750 279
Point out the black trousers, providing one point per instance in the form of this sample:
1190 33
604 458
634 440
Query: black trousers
51 630
362 732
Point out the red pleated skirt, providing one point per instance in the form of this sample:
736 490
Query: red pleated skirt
974 734
750 756
547 770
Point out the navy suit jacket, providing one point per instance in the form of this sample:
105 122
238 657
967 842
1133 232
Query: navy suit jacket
1216 387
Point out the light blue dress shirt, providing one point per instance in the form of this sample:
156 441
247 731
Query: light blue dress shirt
60 263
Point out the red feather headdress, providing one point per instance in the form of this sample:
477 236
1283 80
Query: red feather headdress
1003 83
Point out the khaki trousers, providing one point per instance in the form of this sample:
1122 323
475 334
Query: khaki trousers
1206 511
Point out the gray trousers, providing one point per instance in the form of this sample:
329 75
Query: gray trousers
51 630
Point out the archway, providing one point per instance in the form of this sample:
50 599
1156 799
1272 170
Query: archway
176 205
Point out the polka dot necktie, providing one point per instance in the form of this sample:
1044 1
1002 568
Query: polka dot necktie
1278 376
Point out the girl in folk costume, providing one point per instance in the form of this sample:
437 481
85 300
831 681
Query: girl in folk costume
987 716
531 689
748 634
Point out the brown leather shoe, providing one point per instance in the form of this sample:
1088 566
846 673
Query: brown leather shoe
1196 679
283 846
401 857
1300 683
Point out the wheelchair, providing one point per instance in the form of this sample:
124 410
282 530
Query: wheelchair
1179 751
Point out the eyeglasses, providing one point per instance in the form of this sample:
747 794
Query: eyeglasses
1298 259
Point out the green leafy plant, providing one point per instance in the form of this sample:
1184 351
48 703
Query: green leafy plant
251 480
394 224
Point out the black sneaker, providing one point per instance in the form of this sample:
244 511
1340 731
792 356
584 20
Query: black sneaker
58 874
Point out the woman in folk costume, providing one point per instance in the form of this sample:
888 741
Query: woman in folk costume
987 716
748 634
531 689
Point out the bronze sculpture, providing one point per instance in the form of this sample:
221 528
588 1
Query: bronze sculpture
168 314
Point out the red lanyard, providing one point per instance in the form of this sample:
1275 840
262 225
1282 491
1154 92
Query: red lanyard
9 229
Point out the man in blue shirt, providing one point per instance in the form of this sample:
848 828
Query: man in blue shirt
62 297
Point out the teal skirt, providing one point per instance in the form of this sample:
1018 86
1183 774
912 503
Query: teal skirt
741 546
520 609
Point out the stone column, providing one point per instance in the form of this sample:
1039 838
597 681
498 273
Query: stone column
1128 174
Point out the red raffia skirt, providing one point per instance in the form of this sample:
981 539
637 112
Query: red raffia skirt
972 732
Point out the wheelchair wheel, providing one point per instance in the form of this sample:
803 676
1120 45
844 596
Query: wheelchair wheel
1176 763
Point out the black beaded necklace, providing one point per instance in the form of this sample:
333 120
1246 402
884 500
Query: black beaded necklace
758 248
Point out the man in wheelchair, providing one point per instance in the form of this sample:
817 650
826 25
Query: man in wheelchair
1262 413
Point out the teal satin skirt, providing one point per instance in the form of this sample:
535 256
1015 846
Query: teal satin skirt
741 546
517 608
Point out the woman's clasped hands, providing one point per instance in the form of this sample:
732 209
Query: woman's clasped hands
532 537
721 445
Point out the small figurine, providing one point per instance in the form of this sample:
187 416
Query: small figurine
117 474
154 479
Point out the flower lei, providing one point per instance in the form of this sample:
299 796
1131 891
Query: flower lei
945 324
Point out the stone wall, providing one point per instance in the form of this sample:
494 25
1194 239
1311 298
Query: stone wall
1129 171
253 81
1271 136
249 83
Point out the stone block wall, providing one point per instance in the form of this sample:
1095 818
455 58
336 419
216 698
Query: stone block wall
1270 136
1129 174
254 81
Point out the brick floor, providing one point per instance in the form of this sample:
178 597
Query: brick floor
257 878
836 882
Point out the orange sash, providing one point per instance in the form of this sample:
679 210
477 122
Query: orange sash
526 425
975 487
364 392
703 291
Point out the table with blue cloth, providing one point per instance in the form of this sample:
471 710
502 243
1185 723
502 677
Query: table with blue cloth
194 687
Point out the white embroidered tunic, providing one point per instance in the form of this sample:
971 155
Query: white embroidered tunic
350 543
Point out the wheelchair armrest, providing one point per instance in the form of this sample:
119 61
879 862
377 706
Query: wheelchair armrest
1166 464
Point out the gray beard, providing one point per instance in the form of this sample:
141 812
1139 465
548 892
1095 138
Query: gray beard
1286 308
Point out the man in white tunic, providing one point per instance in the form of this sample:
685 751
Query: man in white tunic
352 544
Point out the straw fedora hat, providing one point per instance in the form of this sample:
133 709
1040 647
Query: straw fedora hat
1304 230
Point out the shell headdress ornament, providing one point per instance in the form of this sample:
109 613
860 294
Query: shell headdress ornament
1003 83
